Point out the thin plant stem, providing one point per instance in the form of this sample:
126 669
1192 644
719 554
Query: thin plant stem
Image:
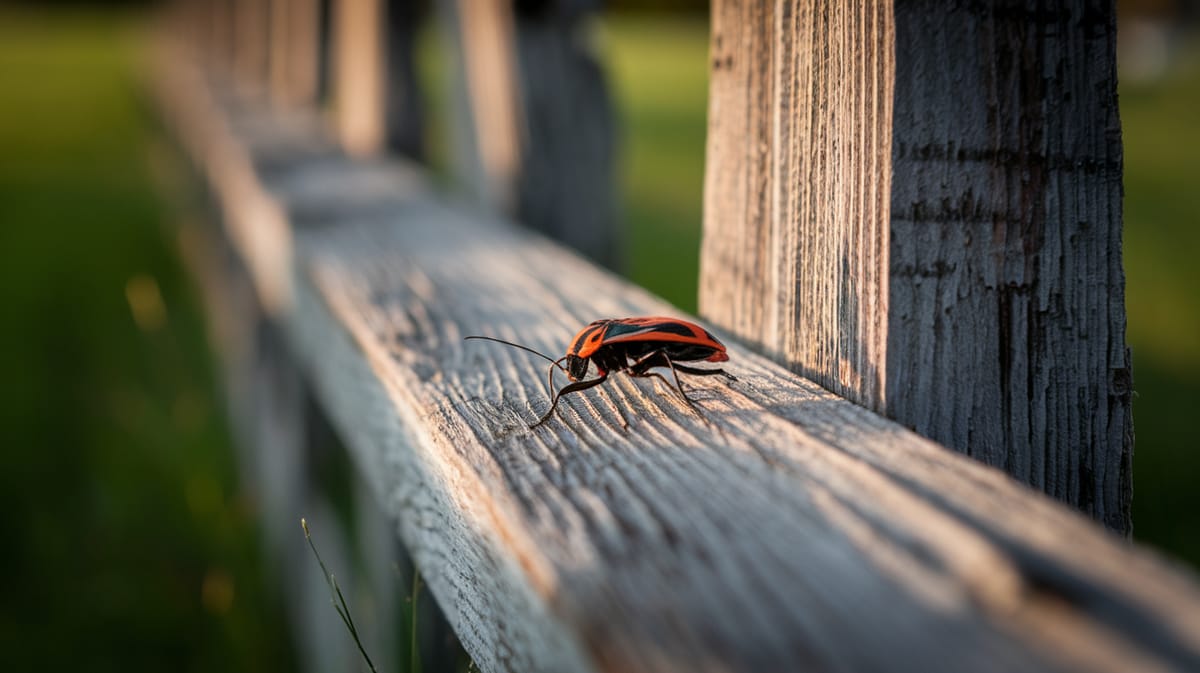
336 597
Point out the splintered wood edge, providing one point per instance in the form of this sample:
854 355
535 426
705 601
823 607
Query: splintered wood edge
535 554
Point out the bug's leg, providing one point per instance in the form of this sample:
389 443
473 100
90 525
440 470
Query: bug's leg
696 371
645 368
567 390
550 375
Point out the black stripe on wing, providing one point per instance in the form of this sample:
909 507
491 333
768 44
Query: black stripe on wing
617 329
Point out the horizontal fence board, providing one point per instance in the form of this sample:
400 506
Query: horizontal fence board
791 530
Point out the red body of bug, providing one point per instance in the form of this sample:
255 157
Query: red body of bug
636 346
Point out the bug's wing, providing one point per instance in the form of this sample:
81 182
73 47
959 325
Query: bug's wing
679 339
660 329
629 330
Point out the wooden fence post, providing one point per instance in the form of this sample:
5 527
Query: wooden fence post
358 75
294 49
218 35
403 95
920 208
251 21
537 126
487 103
373 82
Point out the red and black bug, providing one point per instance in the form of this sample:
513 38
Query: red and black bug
636 346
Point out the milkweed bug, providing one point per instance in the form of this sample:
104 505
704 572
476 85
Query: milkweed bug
636 346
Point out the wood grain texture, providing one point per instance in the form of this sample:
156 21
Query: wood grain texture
957 264
794 257
1006 334
792 530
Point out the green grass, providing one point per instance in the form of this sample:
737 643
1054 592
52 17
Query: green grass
126 544
339 600
1162 241
659 76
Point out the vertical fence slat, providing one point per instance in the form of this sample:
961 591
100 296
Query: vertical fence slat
217 46
1007 337
403 95
795 247
250 52
294 51
535 132
567 185
978 296
358 75
490 146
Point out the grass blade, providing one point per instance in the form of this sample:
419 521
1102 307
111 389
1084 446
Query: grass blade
336 597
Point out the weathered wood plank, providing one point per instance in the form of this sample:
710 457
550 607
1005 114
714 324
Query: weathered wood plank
794 257
792 530
956 264
1006 335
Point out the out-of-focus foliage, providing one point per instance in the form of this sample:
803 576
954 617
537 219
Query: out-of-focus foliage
124 543
659 73
1162 243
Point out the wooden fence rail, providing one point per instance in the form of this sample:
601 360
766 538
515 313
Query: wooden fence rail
788 529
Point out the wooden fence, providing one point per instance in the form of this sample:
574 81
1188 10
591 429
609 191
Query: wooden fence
913 207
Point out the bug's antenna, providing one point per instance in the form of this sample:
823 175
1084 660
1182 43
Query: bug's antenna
524 348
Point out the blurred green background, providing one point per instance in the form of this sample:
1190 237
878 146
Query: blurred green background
127 544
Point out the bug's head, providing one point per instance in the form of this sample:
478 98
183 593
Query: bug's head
576 367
